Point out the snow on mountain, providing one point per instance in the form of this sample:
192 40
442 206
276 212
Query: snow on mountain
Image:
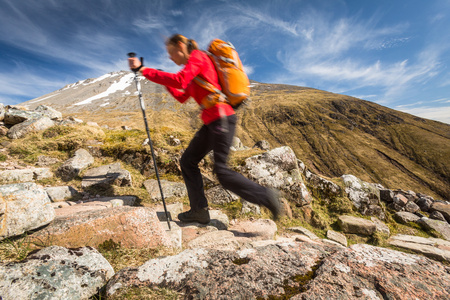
123 83
114 90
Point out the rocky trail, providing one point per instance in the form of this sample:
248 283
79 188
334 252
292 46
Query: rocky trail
248 257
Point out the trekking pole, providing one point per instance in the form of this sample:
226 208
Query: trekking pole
141 101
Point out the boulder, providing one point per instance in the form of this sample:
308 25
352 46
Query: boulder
301 166
73 166
322 187
25 175
71 121
381 227
34 125
437 249
76 208
126 200
132 227
400 200
248 207
105 176
49 112
365 196
435 215
350 224
236 144
443 208
173 209
443 228
66 208
263 145
170 189
225 274
368 272
337 237
44 161
410 195
425 203
2 112
404 217
23 207
219 195
219 240
61 193
276 168
219 219
260 229
3 130
386 195
15 116
299 194
55 273
304 231
412 207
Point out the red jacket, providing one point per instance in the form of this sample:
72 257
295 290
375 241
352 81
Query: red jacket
182 86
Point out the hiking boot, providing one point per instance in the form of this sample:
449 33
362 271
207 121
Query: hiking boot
273 203
200 215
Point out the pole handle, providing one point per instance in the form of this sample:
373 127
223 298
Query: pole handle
133 54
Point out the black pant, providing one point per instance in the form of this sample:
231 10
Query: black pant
218 137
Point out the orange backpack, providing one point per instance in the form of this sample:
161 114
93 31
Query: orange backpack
232 78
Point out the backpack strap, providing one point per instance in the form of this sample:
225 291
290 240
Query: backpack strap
210 87
206 85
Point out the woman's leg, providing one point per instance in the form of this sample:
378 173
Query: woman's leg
197 149
229 179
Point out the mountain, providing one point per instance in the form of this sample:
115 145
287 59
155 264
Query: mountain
332 134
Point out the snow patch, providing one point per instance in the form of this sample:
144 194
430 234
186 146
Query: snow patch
122 84
41 99
72 85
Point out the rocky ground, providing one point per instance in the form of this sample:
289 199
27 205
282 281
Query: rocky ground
359 254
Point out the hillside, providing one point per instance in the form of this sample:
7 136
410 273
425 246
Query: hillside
332 134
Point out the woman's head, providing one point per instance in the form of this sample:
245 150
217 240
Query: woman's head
179 48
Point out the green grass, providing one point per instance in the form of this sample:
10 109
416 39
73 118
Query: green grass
120 257
15 248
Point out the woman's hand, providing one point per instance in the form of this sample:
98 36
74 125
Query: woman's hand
135 64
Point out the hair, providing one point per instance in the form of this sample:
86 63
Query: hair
176 38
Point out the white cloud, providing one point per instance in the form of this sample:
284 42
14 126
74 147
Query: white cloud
25 83
337 55
248 70
441 114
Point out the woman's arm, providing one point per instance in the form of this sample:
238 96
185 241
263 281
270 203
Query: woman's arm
177 94
181 79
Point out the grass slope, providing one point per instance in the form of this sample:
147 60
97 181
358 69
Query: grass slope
336 134
332 134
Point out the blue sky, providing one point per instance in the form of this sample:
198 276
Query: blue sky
395 53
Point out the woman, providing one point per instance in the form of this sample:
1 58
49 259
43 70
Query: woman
216 134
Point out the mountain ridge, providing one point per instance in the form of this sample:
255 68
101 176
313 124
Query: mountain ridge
332 133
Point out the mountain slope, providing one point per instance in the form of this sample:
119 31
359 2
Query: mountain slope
333 134
336 134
